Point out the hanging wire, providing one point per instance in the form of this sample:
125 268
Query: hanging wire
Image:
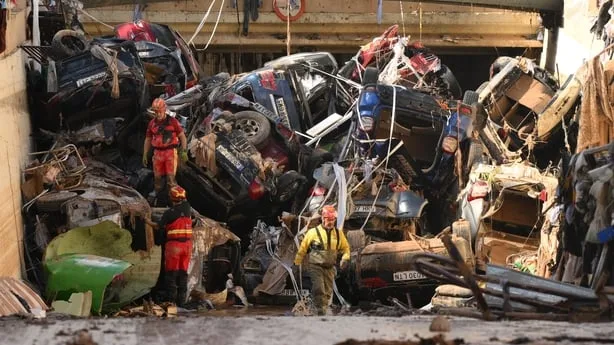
402 17
420 5
95 19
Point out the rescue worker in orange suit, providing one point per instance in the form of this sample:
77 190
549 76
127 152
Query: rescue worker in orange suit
176 223
324 243
164 134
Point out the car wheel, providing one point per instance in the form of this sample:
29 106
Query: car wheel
481 87
475 155
371 76
68 43
288 185
450 81
480 116
256 126
52 202
357 239
470 97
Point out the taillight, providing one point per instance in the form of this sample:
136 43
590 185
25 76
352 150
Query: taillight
479 190
255 190
449 145
366 123
317 191
374 283
502 133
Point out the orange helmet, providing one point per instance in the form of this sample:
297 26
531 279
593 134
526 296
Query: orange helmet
329 212
177 193
158 104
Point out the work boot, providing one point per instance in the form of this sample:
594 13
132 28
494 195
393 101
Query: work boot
170 280
182 288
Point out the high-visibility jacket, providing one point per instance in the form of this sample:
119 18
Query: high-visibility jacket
177 222
164 134
323 246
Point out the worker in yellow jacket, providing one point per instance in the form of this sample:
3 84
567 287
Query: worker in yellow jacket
324 243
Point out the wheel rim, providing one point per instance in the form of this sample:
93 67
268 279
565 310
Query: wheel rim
250 127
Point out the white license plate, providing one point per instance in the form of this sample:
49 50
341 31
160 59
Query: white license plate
365 209
233 160
408 275
83 81
291 292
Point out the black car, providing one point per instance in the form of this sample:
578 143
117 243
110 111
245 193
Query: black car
78 90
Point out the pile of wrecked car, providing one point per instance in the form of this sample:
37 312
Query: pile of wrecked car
427 180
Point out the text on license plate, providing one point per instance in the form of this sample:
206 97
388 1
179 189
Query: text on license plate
408 275
292 292
365 209
83 81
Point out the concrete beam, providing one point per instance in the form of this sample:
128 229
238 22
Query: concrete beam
433 22
519 5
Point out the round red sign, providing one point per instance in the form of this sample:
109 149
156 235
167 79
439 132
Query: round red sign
297 7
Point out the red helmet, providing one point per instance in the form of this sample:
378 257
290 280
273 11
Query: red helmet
329 212
158 104
177 193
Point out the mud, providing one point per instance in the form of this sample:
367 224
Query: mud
278 330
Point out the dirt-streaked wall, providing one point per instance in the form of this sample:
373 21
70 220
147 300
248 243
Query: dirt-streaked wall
14 145
576 43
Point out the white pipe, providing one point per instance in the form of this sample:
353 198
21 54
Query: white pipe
36 34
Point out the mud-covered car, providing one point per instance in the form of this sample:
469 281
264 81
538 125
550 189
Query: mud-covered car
501 208
168 60
78 89
528 111
408 64
423 135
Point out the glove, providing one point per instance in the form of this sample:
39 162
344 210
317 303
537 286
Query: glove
183 154
145 159
343 265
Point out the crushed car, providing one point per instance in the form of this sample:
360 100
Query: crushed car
104 80
490 204
169 64
530 115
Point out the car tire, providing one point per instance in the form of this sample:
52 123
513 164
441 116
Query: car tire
357 239
52 202
470 97
480 115
481 87
371 76
288 185
474 156
67 43
450 81
254 125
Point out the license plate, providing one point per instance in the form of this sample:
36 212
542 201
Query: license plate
365 209
408 275
86 80
291 292
232 159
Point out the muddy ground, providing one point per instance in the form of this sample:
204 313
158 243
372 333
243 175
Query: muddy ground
272 329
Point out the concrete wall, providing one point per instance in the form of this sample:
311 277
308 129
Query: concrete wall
14 145
576 43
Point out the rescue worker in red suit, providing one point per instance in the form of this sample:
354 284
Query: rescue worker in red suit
164 134
176 222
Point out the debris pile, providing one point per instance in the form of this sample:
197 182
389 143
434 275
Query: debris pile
446 198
